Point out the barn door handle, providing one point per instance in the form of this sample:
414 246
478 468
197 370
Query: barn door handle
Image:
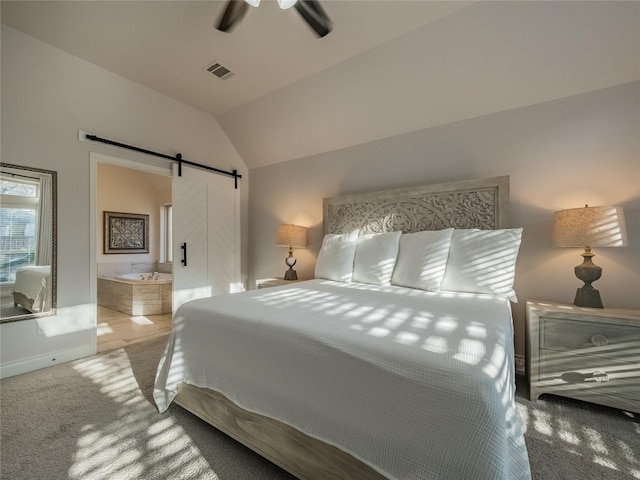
184 254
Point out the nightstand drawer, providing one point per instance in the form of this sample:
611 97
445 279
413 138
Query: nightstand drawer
590 338
614 383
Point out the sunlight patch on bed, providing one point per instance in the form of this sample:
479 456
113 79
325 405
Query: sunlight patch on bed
504 380
175 375
496 364
341 309
398 318
477 330
470 351
281 297
360 311
422 321
407 338
436 344
379 332
446 325
376 315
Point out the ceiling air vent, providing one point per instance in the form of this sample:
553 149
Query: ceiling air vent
218 70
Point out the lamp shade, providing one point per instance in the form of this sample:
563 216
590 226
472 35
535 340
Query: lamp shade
290 235
589 227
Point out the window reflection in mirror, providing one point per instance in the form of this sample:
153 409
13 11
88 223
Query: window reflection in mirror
27 242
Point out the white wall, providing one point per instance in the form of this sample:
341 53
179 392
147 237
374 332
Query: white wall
47 96
579 150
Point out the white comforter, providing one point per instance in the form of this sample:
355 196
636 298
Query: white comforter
416 384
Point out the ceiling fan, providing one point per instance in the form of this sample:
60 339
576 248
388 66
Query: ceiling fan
310 11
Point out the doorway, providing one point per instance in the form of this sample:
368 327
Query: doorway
206 218
130 310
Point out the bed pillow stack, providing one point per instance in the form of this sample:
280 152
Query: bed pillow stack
457 260
365 259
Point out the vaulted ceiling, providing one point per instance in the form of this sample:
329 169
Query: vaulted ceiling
387 68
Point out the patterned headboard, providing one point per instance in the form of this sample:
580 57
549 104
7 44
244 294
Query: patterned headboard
480 204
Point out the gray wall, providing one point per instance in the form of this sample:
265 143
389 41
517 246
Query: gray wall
579 150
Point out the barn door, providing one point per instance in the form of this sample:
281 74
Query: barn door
206 235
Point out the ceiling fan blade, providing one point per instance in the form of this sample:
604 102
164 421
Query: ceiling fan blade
313 13
233 13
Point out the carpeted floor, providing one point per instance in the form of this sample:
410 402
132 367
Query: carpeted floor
95 419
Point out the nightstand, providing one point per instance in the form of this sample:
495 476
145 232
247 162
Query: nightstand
588 354
273 282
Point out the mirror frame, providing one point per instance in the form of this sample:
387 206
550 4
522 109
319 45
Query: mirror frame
54 244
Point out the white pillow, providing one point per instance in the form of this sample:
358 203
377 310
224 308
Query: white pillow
335 260
483 261
422 259
376 257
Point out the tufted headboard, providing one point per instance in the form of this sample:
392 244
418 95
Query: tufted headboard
480 204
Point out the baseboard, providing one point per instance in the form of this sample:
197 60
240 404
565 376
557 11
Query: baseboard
520 365
48 360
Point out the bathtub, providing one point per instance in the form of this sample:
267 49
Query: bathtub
129 293
143 278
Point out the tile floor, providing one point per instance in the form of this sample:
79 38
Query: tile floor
117 329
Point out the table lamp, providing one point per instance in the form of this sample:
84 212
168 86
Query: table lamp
589 227
291 236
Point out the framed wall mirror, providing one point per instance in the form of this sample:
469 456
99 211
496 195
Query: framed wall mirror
28 212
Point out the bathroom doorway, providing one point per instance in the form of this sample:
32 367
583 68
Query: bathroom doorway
133 288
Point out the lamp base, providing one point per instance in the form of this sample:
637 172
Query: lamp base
588 272
290 274
290 261
587 296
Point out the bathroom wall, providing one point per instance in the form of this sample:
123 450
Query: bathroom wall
126 190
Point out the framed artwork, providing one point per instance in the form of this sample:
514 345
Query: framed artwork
126 233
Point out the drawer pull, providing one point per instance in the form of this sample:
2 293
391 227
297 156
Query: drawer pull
599 340
600 376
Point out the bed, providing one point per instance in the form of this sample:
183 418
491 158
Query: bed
369 371
32 288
